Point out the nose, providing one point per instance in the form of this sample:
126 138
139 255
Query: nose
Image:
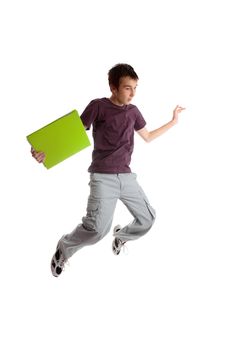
132 93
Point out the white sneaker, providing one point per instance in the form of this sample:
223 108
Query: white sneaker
58 263
117 243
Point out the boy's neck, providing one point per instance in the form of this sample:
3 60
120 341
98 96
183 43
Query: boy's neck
115 101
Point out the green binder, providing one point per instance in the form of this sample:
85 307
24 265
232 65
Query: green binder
60 139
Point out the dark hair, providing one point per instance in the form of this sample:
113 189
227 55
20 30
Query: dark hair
119 71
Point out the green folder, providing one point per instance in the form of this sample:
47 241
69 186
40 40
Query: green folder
60 139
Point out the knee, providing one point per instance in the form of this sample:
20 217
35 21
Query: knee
94 232
152 215
93 236
96 226
150 219
149 223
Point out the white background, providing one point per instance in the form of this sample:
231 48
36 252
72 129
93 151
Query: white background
174 288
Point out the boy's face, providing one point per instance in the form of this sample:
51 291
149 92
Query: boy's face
125 92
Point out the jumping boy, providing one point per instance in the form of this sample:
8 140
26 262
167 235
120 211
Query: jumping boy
114 121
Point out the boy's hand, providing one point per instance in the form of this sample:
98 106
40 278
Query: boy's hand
39 156
176 112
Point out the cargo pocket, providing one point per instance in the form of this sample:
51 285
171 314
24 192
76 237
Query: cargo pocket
90 221
149 207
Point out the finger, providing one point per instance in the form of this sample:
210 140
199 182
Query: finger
42 157
179 109
39 154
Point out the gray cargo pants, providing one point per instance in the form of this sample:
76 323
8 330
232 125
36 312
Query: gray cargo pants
105 190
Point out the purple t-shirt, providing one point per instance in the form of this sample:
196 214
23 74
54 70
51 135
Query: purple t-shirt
113 134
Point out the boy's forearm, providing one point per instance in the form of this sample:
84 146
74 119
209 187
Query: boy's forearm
160 131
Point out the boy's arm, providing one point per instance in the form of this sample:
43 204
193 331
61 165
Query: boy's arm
149 136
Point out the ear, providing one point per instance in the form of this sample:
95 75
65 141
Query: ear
113 89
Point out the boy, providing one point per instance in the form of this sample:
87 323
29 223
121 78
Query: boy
114 121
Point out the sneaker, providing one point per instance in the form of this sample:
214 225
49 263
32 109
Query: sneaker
117 243
58 263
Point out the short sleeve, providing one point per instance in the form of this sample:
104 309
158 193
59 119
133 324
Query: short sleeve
140 121
90 113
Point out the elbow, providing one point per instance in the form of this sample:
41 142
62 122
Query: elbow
147 139
145 135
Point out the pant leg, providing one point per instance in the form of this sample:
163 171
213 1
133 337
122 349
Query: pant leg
138 204
104 192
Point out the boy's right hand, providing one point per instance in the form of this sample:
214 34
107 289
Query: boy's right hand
39 156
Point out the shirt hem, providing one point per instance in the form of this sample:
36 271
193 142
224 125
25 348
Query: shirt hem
116 171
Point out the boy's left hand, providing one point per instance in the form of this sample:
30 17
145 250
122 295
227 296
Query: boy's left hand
176 112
